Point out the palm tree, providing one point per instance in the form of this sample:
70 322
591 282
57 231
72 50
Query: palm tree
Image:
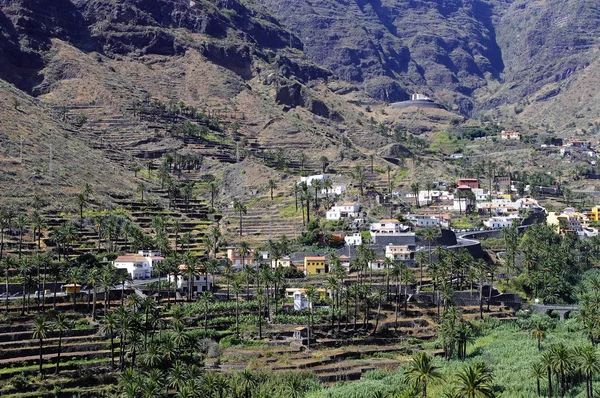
421 371
429 187
214 191
379 296
241 209
537 370
21 224
205 300
236 287
248 273
8 263
25 268
81 203
358 174
5 222
317 185
475 381
589 365
414 189
389 170
539 332
296 191
141 188
420 261
228 272
312 295
271 185
249 382
109 324
61 324
260 297
324 162
562 363
303 159
41 328
92 277
38 223
548 365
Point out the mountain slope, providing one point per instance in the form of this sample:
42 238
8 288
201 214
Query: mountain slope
473 55
395 47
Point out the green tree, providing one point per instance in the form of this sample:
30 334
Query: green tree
272 186
312 295
236 288
324 162
241 209
108 326
61 324
41 328
475 381
358 174
414 189
214 192
539 332
421 371
141 188
537 370
562 362
81 203
205 300
589 365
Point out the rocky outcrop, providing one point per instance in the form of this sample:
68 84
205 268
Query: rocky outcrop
294 94
235 34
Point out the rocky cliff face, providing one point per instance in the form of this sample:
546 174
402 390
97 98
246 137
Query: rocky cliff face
136 28
474 55
396 47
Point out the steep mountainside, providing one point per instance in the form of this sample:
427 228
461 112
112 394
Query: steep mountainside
218 83
471 54
395 47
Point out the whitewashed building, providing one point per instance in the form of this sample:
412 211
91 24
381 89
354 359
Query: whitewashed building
423 220
344 210
354 239
388 227
501 222
139 265
309 179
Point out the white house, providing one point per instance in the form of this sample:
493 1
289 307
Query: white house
388 227
309 179
428 197
419 97
354 239
343 211
198 285
334 190
499 206
140 265
501 222
424 220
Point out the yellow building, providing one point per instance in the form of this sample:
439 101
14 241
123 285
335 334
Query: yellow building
568 221
314 265
594 214
71 288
